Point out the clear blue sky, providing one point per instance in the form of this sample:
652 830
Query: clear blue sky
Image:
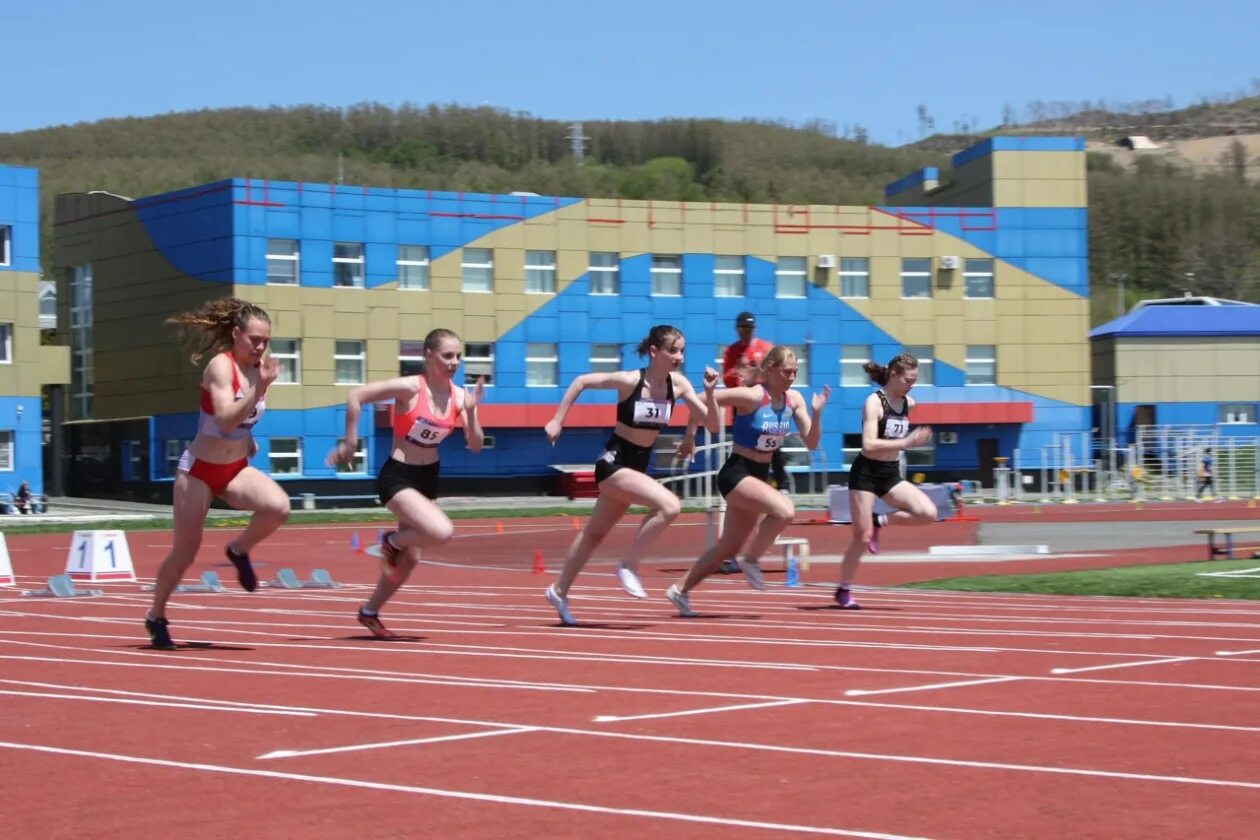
845 61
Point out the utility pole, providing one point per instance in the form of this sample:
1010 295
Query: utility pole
1120 302
577 142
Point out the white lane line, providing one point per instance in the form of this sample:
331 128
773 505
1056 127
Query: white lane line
708 711
166 705
1236 652
459 794
1115 665
382 745
861 692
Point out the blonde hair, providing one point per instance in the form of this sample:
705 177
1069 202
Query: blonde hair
777 357
209 326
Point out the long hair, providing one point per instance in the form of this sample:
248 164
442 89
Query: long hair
899 364
657 337
777 356
209 326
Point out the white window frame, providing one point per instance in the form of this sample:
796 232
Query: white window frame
6 244
295 456
413 267
608 275
291 256
605 357
855 275
729 281
851 373
133 458
81 379
542 357
540 272
791 279
1229 414
341 354
478 361
482 271
927 363
173 449
916 274
802 364
666 276
7 450
294 359
981 354
357 266
357 465
922 456
410 353
979 273
6 343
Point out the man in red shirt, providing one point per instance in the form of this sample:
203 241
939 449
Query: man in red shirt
740 358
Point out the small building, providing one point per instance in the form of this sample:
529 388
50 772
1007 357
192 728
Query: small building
1138 143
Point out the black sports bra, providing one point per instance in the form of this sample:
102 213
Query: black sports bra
639 413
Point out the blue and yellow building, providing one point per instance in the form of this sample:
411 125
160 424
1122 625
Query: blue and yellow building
982 273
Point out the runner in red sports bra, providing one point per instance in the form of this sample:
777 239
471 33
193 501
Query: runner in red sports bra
216 463
428 408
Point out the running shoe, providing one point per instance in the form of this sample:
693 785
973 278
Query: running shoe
728 567
680 600
752 572
561 604
630 582
244 569
373 623
845 599
159 634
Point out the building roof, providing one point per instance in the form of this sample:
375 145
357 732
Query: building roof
1184 317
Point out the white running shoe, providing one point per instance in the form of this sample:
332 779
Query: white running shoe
752 572
630 582
680 601
562 606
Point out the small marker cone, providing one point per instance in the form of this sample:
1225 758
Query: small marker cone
498 527
539 568
354 542
576 524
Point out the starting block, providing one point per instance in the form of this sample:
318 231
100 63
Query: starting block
209 583
288 579
6 565
60 586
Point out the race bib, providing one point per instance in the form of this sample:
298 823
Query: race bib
896 427
769 443
426 433
652 412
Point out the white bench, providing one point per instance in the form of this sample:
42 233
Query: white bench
800 545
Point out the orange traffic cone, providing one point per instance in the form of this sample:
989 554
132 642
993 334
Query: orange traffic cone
498 526
539 568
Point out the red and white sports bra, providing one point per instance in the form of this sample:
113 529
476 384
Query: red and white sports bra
420 426
207 425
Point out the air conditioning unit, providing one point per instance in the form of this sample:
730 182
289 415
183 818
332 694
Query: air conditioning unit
948 437
826 260
950 263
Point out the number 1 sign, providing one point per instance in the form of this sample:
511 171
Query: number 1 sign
99 555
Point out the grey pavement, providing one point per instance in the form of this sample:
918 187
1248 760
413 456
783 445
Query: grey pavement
1101 536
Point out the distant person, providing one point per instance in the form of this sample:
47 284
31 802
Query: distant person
24 500
1207 478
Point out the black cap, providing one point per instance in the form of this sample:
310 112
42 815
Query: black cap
745 319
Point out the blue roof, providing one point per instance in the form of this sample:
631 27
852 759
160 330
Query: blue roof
1188 320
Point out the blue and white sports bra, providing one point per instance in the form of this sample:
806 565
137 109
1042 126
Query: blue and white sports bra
764 429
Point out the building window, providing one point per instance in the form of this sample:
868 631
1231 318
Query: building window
6 450
348 264
802 365
927 365
542 364
288 352
789 277
349 362
605 273
922 456
6 244
1236 413
478 361
916 278
728 277
852 358
286 456
978 279
410 358
981 364
81 342
48 308
478 267
282 262
855 277
174 448
413 267
358 464
540 272
605 358
130 461
6 344
667 279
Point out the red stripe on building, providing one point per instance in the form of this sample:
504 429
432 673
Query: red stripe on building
953 414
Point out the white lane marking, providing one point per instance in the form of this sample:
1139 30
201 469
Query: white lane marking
384 744
861 692
1236 652
1115 665
166 705
708 711
457 794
